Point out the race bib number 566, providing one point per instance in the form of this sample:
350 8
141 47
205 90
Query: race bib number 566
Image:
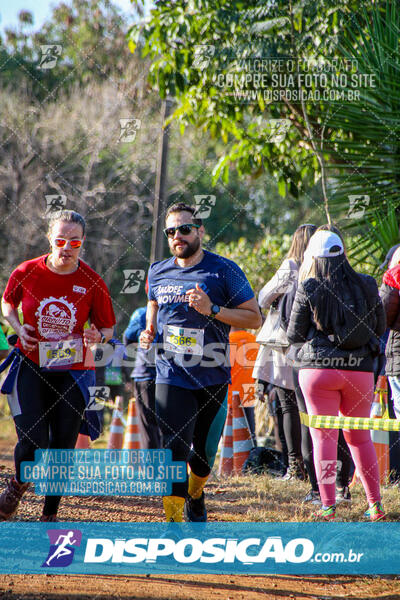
183 340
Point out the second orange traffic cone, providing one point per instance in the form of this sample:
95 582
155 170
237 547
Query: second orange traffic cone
380 438
116 439
83 442
242 443
132 435
226 459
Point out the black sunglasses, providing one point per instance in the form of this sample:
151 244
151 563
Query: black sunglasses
184 229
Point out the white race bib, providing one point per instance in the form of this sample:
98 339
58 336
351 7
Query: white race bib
183 340
62 353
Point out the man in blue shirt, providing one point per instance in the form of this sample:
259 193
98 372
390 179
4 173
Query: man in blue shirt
194 298
144 375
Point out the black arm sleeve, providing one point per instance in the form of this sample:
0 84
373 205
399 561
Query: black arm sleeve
391 303
380 318
300 319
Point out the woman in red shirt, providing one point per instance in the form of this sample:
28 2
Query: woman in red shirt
49 379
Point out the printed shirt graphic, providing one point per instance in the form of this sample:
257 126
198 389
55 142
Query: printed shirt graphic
226 285
55 318
53 306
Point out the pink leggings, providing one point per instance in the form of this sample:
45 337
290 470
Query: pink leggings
326 392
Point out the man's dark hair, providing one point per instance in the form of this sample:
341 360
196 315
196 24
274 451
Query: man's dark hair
182 207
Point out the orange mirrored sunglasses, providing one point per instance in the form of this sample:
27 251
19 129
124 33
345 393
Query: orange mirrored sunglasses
61 242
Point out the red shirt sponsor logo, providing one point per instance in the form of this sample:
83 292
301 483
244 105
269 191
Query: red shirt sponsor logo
56 318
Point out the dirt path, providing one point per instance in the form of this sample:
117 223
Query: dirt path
196 587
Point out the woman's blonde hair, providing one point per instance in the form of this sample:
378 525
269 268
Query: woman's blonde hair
300 240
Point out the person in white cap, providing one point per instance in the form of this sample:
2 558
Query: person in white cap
345 461
272 365
336 319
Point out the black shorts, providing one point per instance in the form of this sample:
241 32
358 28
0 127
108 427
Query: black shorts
191 424
47 408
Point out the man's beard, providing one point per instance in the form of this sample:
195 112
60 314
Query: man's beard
188 250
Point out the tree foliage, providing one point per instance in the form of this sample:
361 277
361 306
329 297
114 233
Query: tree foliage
71 147
259 261
60 135
92 36
195 45
365 155
344 129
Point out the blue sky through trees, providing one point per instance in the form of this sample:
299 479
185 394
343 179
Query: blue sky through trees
41 10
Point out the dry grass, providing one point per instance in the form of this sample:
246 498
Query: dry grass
249 497
266 498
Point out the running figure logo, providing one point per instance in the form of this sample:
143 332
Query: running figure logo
278 129
50 54
133 279
55 203
251 392
328 471
99 395
204 205
61 553
358 204
202 56
128 129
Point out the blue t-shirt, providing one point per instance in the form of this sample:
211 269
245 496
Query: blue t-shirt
226 285
144 369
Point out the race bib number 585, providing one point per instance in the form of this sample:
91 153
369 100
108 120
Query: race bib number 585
61 353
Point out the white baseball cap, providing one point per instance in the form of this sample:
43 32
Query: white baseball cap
324 244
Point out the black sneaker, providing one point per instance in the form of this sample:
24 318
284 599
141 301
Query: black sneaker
343 494
195 509
49 518
295 471
313 497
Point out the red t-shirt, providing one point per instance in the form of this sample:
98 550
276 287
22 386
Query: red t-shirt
392 277
58 306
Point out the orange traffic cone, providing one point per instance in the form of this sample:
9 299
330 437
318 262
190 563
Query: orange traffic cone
116 439
242 443
83 442
226 459
379 410
132 436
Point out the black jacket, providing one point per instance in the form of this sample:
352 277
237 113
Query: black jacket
317 349
391 302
